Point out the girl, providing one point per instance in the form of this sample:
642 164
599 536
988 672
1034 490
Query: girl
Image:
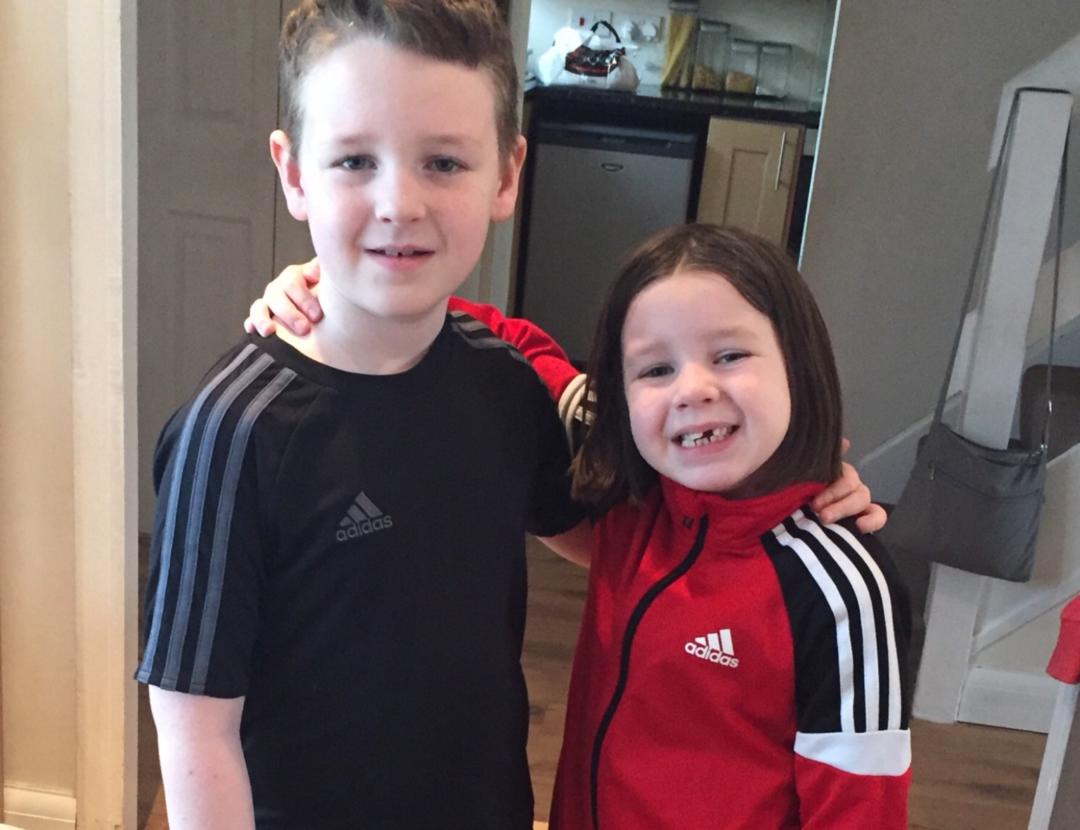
741 664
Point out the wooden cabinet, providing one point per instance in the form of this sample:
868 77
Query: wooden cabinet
748 179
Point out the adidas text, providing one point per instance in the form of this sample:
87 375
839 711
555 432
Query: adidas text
361 519
712 655
355 531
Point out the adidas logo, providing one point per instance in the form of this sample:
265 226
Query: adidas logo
715 647
362 518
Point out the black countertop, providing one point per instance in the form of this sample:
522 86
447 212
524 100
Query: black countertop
658 101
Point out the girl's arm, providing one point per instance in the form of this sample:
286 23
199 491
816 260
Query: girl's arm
565 383
851 625
575 545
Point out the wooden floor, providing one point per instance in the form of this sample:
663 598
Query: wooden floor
965 777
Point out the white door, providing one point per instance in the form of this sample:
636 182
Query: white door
207 194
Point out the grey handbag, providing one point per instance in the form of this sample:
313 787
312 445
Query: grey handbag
973 507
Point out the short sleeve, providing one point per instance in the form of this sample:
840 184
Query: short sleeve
552 511
208 545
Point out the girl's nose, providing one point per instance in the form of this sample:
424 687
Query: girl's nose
695 385
399 198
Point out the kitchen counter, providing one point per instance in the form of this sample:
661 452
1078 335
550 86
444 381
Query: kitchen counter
649 100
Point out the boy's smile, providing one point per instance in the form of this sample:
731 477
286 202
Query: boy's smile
399 176
706 384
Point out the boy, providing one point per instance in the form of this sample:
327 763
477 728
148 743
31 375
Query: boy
336 598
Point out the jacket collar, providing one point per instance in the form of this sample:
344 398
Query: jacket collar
736 520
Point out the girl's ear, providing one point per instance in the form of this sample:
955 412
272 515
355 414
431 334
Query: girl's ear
288 167
506 195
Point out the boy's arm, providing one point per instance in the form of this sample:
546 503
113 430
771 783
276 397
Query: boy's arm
289 300
848 497
202 763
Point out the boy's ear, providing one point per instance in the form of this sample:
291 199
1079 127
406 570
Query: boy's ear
288 168
506 196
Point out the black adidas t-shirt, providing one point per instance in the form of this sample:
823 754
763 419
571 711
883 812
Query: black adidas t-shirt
347 551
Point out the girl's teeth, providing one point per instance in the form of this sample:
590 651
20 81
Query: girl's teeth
698 439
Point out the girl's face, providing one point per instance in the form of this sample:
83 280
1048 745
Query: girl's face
705 382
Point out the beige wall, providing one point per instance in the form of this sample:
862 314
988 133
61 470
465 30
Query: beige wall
899 189
37 637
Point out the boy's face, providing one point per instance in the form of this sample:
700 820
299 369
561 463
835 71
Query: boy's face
398 175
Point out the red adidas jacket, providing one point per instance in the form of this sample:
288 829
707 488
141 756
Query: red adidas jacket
740 665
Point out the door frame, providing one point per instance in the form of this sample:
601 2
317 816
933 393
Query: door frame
103 169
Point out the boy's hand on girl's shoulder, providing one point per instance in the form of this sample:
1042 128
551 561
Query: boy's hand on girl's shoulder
288 300
848 496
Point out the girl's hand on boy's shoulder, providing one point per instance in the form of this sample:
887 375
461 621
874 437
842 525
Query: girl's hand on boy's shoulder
288 300
848 496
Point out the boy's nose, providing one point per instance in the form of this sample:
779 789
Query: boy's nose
399 199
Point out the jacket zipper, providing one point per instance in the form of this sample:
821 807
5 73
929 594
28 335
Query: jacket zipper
624 661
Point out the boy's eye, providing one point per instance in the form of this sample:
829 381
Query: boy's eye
358 163
445 164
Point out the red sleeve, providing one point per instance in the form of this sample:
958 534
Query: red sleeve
850 622
535 344
565 383
833 799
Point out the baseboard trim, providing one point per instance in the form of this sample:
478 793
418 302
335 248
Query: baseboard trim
1012 699
37 810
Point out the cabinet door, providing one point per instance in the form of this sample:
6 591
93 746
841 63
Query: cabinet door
748 180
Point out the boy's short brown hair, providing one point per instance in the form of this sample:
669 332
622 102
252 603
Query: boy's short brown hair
472 33
609 469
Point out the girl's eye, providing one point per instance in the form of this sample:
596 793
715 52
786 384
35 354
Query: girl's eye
358 163
656 371
444 164
731 357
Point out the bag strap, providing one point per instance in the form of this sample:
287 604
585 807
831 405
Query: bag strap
1062 181
995 181
607 26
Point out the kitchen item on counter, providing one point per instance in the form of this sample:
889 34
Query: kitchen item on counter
742 69
596 191
711 56
609 66
774 69
680 46
574 61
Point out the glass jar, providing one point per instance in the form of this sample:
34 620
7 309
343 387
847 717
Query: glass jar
774 69
710 61
680 45
742 69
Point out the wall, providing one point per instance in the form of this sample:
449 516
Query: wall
37 629
806 24
900 184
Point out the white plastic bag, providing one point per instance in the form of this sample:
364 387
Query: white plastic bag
551 66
